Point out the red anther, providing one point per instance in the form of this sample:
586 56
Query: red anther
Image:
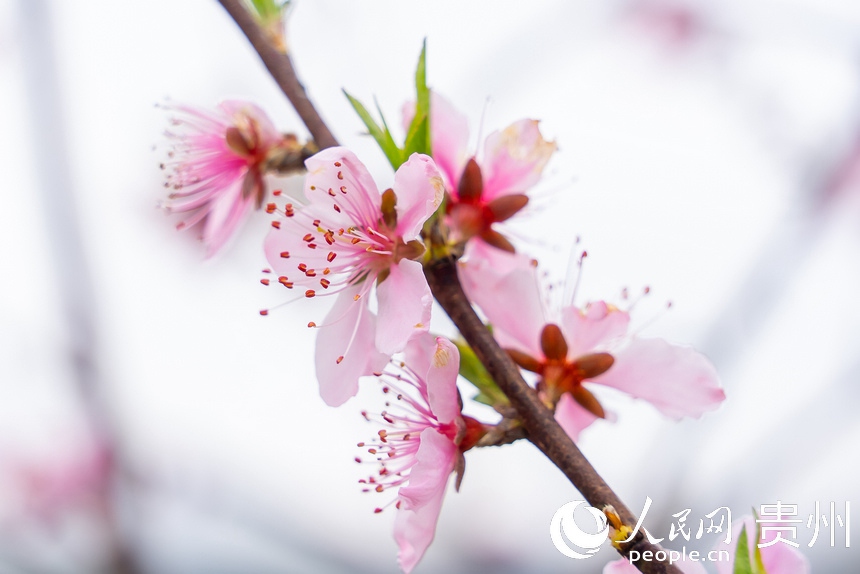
311 273
308 237
340 176
397 506
276 224
358 460
312 245
264 312
336 208
377 510
316 222
303 267
360 445
325 283
330 257
647 290
355 240
337 164
339 360
277 192
331 192
285 254
584 254
343 189
271 207
372 450
329 237
380 488
264 281
283 279
311 325
310 293
267 270
383 434
326 271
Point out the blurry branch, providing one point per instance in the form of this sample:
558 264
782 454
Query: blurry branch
280 66
69 262
538 420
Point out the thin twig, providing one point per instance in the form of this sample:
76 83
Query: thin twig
280 66
538 421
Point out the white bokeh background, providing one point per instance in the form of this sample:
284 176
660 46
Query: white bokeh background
697 160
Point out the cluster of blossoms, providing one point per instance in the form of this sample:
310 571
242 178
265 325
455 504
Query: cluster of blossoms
349 239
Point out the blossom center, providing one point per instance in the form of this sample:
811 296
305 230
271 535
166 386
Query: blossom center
561 374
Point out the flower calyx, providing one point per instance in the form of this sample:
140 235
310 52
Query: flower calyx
473 216
561 374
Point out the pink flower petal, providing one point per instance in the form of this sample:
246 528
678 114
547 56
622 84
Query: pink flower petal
677 380
404 306
420 192
415 525
361 200
442 393
450 137
514 159
784 559
779 558
572 417
492 278
586 331
348 331
225 215
288 239
419 354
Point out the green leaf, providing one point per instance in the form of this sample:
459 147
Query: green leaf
416 140
418 134
267 10
473 371
742 555
380 134
758 563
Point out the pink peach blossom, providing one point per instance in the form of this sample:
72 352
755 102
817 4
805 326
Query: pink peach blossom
779 558
423 441
490 190
579 348
215 167
348 239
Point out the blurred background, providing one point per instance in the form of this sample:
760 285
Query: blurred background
152 421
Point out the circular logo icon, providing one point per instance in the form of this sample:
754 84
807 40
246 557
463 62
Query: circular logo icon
564 523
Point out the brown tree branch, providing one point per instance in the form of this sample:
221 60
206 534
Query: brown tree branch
540 425
539 422
280 66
